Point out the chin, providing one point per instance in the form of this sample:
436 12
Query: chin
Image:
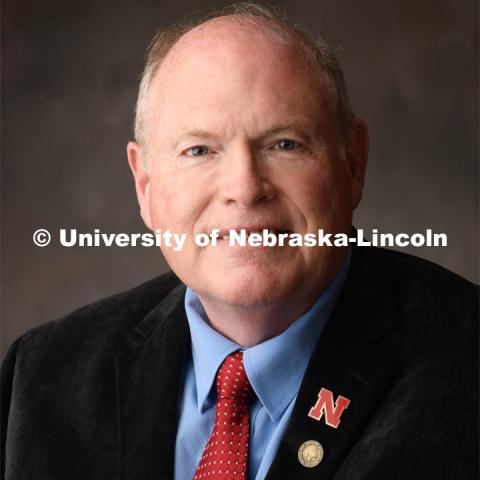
256 289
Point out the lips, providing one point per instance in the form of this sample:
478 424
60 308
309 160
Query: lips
225 232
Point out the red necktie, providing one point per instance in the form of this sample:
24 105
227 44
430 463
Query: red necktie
226 454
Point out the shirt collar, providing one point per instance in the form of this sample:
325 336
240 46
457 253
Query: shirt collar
275 368
209 348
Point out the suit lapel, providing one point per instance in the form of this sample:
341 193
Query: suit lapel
147 390
352 359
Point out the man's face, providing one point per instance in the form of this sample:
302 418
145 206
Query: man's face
241 137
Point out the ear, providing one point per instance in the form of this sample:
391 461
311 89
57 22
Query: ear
142 180
357 156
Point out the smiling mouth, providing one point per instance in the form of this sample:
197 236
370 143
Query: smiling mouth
225 234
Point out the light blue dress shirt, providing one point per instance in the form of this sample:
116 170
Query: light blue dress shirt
275 369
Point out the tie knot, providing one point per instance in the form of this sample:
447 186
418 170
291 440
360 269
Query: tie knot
232 381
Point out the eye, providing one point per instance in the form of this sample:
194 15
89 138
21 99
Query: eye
286 144
197 151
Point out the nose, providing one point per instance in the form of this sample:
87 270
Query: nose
245 180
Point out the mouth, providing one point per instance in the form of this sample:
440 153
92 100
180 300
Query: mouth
225 234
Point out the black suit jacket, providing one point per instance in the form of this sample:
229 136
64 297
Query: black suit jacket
94 395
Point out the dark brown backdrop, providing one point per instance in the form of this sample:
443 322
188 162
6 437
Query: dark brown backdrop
70 72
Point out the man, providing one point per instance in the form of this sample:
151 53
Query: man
251 362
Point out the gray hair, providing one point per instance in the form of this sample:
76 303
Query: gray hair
316 52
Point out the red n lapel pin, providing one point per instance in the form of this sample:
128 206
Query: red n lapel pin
326 407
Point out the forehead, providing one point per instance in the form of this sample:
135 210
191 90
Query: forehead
224 66
228 37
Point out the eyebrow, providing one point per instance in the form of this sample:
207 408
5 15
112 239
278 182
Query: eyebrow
294 124
198 132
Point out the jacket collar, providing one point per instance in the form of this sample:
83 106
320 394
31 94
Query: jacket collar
147 382
351 359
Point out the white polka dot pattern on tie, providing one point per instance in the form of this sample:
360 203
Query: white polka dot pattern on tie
226 454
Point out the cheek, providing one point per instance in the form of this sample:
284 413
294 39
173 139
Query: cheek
324 198
176 205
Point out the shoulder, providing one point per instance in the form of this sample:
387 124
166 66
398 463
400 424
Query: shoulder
426 318
98 326
420 281
437 309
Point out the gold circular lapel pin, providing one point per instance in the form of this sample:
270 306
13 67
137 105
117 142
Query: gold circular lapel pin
310 453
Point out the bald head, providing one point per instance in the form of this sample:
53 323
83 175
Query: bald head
224 65
244 33
222 60
229 43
